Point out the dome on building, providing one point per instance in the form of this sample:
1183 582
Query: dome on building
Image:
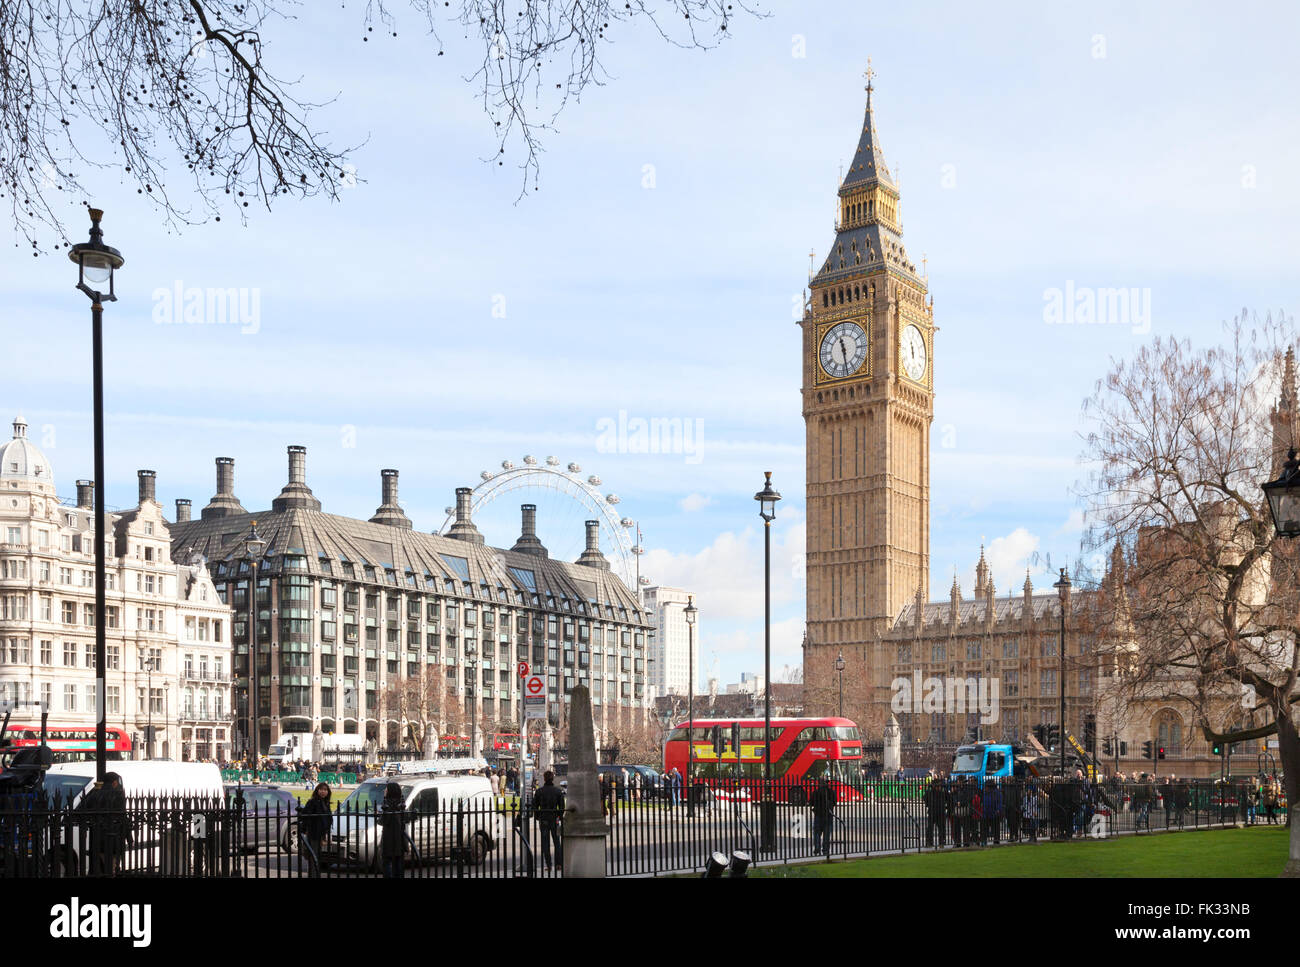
23 464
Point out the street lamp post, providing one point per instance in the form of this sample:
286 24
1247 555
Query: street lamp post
767 498
471 663
1063 590
96 263
839 667
691 612
148 701
254 548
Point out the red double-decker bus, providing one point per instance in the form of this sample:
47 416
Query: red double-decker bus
803 750
69 744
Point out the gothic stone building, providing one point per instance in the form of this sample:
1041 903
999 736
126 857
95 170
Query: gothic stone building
353 613
868 383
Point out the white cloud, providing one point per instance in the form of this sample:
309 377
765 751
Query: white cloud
694 502
1008 557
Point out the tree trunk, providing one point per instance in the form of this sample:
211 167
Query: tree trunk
1288 748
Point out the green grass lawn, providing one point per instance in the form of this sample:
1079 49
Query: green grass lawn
1257 852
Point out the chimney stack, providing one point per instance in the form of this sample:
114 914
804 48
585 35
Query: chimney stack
464 529
146 478
390 511
182 510
86 493
591 557
224 503
528 542
296 494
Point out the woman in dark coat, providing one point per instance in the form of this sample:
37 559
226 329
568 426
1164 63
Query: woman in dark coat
392 821
314 821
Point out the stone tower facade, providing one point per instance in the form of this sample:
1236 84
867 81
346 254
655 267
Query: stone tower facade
868 402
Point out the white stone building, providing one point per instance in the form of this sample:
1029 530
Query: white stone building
671 671
168 632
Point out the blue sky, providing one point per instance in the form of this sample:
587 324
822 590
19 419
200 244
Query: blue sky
1041 148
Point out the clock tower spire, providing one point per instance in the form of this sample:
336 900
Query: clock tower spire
868 402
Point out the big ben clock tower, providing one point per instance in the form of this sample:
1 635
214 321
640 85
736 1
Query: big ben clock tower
868 401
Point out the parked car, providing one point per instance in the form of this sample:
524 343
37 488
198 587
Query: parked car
270 816
431 803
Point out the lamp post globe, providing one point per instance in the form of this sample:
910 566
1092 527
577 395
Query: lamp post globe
767 498
96 263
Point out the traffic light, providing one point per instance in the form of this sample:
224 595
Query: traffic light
1217 748
1147 750
1123 748
735 739
1053 735
718 745
1162 752
1107 748
1040 733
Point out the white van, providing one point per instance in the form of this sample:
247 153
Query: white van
160 781
198 780
431 803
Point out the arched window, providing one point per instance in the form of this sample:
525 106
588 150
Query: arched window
1169 731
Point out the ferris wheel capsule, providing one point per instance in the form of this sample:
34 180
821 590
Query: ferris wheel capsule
594 480
612 499
574 468
530 460
507 465
552 461
486 475
638 550
645 581
449 510
628 522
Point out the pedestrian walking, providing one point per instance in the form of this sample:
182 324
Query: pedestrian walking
1011 795
392 822
314 824
548 806
823 806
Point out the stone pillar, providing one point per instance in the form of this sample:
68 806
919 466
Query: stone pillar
584 827
893 745
545 746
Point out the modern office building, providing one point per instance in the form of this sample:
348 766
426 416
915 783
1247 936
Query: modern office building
365 626
671 669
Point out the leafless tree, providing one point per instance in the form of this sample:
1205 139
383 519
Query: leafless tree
1181 441
423 706
144 86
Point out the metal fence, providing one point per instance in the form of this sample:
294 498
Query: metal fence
649 832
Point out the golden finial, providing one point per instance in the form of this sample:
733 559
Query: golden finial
869 74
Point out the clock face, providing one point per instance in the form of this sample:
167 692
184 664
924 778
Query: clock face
843 350
912 351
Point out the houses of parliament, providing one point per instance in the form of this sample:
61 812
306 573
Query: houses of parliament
870 357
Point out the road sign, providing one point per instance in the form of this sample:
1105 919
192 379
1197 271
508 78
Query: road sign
523 669
534 697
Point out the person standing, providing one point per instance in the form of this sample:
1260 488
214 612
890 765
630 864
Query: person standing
392 822
935 798
1011 790
548 805
991 806
823 806
314 824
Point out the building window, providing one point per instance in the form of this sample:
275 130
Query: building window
69 698
70 654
